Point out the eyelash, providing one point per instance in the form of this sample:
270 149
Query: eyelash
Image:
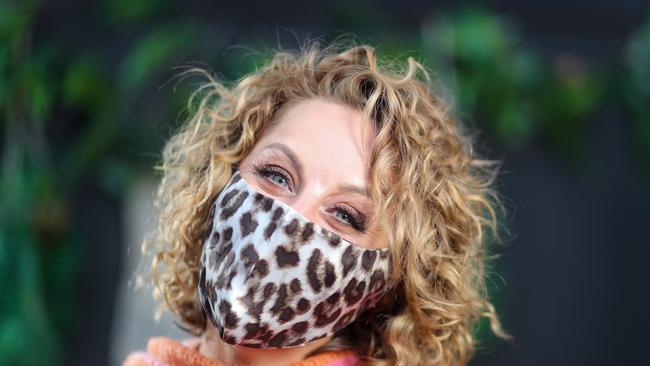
264 170
357 222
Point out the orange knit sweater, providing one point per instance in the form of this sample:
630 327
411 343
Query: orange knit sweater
163 351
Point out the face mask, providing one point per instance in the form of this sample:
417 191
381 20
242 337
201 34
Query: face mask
270 278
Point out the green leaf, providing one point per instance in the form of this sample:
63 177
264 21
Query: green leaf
155 51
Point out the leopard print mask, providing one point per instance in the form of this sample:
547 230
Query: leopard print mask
270 278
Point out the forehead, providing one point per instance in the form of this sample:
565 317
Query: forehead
326 136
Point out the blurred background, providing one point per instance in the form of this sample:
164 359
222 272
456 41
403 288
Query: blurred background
559 89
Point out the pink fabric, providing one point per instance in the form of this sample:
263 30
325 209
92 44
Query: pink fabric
350 360
162 351
143 358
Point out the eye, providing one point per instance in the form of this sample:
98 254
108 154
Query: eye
344 216
350 217
275 175
279 179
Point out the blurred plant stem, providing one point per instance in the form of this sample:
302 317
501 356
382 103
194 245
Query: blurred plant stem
34 222
42 87
635 88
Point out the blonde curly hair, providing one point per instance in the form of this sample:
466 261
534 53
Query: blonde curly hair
431 192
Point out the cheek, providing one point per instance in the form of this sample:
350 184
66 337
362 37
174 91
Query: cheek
373 239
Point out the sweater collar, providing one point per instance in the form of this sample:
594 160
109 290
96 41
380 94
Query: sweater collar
186 353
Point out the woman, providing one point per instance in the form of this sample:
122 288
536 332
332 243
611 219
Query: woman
322 211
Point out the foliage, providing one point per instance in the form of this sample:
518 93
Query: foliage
33 221
507 86
635 88
41 88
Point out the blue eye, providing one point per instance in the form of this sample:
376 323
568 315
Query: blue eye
348 217
345 217
275 175
279 179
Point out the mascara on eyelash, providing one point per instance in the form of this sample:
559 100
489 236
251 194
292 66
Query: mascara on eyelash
358 219
264 169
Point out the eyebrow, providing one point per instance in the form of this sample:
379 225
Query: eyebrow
344 187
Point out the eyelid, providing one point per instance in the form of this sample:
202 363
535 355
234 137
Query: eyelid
287 153
281 153
261 167
359 221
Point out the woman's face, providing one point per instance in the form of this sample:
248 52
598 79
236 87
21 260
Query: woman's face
313 159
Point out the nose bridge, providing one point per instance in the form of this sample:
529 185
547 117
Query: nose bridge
308 203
